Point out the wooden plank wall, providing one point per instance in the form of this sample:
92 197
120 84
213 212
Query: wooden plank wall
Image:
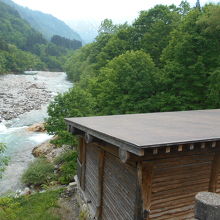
175 183
119 186
91 175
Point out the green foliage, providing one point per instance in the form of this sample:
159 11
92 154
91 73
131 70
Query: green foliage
152 29
127 79
66 43
3 159
76 102
67 163
36 207
39 172
167 60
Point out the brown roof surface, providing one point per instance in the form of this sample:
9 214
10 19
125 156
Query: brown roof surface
153 129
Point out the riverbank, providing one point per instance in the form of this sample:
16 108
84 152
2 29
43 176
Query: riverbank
20 142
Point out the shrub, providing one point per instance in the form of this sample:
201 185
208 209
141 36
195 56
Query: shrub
67 162
39 172
38 206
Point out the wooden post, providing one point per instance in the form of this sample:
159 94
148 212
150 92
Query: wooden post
144 190
83 162
214 172
100 183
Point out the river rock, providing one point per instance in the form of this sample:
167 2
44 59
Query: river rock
26 191
39 127
19 95
48 150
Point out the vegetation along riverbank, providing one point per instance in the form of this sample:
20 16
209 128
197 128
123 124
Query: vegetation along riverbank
166 60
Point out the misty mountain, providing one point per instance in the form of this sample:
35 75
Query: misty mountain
47 24
88 29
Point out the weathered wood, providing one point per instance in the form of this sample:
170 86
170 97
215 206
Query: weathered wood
88 138
176 180
91 177
167 149
203 145
214 173
175 153
119 186
100 184
214 144
155 151
191 146
124 155
145 176
83 162
180 147
74 130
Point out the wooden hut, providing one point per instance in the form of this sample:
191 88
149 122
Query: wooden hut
147 166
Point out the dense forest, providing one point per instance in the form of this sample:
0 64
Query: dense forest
167 60
65 42
23 48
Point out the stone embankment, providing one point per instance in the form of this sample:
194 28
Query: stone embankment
19 95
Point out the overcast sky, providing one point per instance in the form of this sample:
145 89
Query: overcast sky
117 10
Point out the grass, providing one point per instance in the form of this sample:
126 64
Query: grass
32 207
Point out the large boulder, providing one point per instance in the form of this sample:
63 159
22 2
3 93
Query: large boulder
48 150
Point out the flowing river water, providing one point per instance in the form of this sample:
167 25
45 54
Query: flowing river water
15 135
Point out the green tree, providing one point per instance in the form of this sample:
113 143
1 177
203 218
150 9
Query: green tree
190 57
74 103
125 84
153 28
107 26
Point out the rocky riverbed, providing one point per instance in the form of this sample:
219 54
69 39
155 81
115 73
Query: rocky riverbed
23 102
21 94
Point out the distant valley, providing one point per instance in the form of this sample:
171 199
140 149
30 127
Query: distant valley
87 29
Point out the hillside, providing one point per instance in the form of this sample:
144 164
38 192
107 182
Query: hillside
47 24
23 48
17 41
17 31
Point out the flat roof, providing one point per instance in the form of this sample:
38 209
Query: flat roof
152 129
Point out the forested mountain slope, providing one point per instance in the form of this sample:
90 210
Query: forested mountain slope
167 60
17 31
16 39
47 24
23 48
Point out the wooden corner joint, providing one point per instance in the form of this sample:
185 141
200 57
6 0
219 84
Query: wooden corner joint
191 146
88 138
124 155
155 151
180 147
213 144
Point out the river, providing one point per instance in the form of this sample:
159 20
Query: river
14 134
